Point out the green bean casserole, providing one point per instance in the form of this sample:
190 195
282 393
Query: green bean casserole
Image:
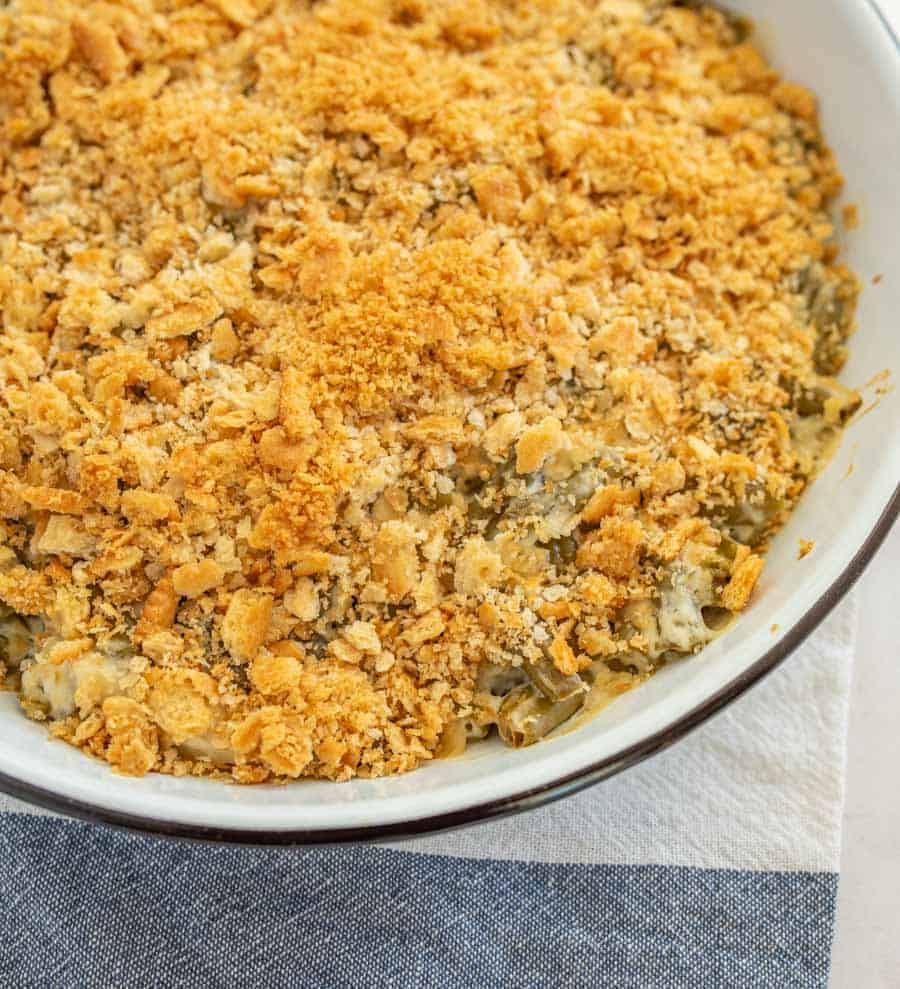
380 373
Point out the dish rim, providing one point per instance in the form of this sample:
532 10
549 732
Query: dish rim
527 799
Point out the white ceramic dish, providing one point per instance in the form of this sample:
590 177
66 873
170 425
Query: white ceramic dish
844 50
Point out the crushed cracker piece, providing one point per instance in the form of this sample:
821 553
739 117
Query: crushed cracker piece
246 623
97 42
538 443
193 579
737 592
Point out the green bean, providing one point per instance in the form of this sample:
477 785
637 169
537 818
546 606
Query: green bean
453 740
830 302
750 519
526 715
16 640
499 680
812 401
563 550
631 662
555 686
716 618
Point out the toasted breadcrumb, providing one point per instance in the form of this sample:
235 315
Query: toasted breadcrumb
372 366
850 216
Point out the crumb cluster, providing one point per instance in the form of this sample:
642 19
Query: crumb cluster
352 349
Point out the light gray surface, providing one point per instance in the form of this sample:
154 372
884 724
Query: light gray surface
867 943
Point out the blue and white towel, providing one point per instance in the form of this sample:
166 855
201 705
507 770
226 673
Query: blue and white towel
713 865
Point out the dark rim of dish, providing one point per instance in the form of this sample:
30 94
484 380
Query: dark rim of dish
528 799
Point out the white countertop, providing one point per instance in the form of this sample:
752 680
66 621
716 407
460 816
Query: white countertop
867 941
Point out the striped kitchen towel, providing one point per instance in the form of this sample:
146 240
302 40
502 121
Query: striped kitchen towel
714 864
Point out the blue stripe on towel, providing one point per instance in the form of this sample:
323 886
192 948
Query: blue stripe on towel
85 907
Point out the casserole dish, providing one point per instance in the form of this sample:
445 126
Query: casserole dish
847 56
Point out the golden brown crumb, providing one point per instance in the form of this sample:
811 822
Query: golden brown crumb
246 623
193 579
98 43
806 547
133 745
850 216
737 591
537 444
605 500
351 351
